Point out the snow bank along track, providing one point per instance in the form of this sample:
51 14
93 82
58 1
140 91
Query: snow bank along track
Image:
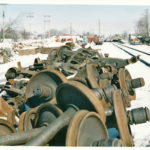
129 50
87 109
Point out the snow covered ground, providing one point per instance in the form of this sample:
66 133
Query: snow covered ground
140 132
25 61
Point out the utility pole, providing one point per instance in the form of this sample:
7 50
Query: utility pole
99 28
47 20
3 22
29 17
70 28
3 28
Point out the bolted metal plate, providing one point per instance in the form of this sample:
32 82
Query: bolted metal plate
76 93
26 120
6 127
91 129
72 132
121 118
50 79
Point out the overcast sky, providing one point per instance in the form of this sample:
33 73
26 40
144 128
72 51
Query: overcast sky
113 19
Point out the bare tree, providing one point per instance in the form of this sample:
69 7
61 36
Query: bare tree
10 28
24 34
54 32
147 22
125 35
143 25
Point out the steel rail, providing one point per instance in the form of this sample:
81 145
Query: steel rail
141 60
135 49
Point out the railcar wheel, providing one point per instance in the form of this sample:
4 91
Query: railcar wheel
74 127
68 93
121 118
89 129
124 77
46 113
26 120
42 86
92 76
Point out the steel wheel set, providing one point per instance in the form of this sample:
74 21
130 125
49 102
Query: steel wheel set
43 105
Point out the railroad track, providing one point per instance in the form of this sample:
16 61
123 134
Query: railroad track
135 49
128 52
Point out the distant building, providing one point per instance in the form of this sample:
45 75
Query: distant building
68 38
